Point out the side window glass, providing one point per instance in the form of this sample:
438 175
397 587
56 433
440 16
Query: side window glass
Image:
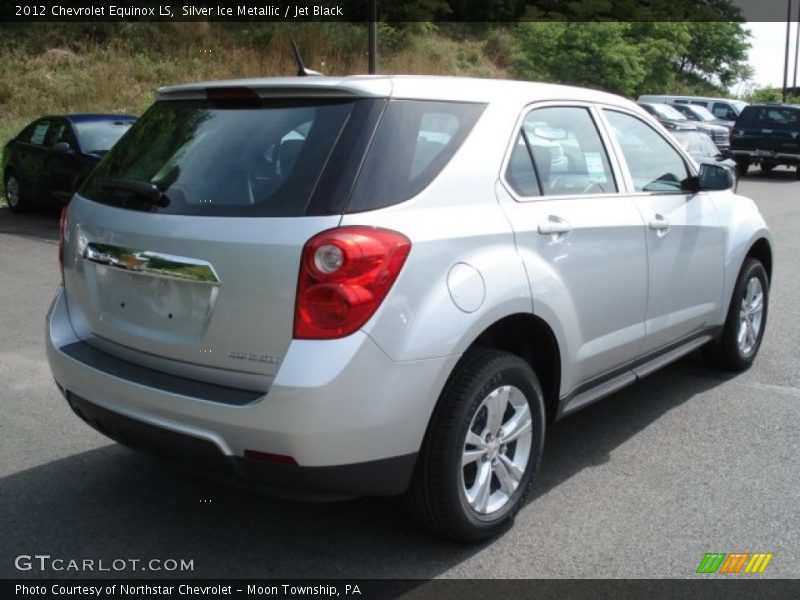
654 164
567 151
55 133
39 133
519 173
723 110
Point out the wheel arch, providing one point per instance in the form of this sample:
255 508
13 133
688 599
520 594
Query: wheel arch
762 250
532 339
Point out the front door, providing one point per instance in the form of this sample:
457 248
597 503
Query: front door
685 238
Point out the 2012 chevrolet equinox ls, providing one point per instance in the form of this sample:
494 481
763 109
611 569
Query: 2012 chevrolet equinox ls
382 285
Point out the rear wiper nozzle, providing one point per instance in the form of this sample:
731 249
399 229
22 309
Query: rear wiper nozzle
144 189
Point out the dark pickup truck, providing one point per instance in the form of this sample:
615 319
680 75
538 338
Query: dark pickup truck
767 135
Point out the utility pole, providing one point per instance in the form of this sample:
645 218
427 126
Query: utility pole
372 37
796 51
786 55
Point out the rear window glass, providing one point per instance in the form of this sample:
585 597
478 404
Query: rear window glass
771 117
98 137
223 159
413 143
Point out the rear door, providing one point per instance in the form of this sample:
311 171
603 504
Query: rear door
203 280
685 236
31 157
582 242
61 169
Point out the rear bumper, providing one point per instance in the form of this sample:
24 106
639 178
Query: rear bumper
385 477
351 418
755 156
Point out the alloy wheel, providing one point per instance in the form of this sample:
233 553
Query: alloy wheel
496 449
751 314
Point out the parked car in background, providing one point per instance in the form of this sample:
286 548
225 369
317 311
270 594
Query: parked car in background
702 115
672 119
767 135
667 116
726 109
48 160
386 285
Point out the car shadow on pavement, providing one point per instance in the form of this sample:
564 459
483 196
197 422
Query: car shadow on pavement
41 223
112 503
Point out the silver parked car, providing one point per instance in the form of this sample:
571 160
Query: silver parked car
383 285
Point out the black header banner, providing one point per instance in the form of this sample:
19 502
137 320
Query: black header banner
392 11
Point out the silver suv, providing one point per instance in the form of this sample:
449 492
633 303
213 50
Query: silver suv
389 285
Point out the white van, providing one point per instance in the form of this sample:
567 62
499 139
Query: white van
725 109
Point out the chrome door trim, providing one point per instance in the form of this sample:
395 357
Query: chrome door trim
153 264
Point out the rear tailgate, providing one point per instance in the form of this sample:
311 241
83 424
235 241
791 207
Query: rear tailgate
182 249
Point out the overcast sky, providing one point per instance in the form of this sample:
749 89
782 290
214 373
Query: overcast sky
766 55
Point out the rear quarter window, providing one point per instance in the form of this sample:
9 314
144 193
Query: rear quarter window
415 140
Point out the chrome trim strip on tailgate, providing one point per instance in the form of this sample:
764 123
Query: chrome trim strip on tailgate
154 264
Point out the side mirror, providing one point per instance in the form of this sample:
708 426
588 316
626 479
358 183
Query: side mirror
715 177
61 148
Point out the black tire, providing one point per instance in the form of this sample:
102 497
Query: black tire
741 167
767 167
15 198
727 353
437 497
797 171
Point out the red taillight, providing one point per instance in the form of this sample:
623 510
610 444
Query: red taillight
345 274
62 227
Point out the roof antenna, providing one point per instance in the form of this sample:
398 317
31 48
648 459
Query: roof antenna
302 70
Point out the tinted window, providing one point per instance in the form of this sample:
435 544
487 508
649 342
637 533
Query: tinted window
98 137
776 117
414 141
261 159
60 131
37 133
654 164
567 151
723 110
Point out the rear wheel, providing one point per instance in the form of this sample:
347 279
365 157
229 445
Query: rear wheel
14 197
747 318
741 167
482 449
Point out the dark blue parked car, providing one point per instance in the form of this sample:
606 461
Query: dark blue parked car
51 157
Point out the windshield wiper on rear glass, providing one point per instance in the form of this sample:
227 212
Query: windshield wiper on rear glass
146 190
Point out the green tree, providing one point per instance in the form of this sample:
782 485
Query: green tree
590 54
716 51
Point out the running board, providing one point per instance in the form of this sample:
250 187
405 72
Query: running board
609 384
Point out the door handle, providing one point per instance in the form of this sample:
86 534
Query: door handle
554 226
659 223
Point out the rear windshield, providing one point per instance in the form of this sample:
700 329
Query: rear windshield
98 137
280 158
223 160
770 117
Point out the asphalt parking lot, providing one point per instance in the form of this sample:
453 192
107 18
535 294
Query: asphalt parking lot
643 484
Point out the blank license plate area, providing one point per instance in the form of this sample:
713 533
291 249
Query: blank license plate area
163 306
